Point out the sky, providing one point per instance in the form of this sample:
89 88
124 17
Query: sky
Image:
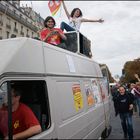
115 41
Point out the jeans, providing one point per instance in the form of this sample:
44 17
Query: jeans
127 125
66 27
138 103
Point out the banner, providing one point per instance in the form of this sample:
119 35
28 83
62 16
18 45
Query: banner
54 6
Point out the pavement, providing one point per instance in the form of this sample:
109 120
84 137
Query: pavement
117 132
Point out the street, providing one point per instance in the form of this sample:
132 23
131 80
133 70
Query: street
117 132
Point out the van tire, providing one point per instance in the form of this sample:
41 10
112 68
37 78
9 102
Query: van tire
106 132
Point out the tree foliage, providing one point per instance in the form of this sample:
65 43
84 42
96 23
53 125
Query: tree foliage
131 68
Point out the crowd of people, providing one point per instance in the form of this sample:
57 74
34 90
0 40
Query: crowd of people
126 100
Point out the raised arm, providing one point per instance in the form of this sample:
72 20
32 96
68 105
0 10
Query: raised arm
91 20
65 8
137 76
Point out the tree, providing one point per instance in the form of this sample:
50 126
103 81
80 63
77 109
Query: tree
130 69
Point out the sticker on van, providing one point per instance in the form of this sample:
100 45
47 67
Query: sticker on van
90 96
78 99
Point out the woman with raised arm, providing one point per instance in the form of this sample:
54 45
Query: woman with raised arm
137 76
75 19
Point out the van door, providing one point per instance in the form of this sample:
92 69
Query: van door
69 105
95 109
79 114
34 95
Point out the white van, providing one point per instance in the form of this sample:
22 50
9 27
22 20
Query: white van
65 90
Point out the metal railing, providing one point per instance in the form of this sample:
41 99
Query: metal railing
8 26
78 43
21 32
16 30
27 36
1 23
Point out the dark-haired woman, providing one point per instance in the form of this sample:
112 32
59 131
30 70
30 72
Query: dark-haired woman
50 34
75 19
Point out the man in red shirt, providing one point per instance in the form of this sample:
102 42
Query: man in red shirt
50 34
24 122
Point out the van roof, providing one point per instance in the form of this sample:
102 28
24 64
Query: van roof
26 55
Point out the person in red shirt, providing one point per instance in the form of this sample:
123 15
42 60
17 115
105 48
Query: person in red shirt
24 122
50 34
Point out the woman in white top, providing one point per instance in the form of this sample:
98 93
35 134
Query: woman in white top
75 19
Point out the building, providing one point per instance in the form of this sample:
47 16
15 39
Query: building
17 21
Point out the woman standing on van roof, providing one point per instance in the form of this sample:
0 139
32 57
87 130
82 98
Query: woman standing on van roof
75 19
50 34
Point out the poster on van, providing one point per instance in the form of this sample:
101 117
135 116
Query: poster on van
78 99
90 96
96 91
103 88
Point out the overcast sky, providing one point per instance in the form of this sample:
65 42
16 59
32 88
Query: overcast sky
115 41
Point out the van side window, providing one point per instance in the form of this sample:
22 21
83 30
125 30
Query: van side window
34 95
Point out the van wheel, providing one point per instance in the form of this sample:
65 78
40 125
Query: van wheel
106 133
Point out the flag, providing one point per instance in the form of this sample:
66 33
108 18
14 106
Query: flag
54 6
